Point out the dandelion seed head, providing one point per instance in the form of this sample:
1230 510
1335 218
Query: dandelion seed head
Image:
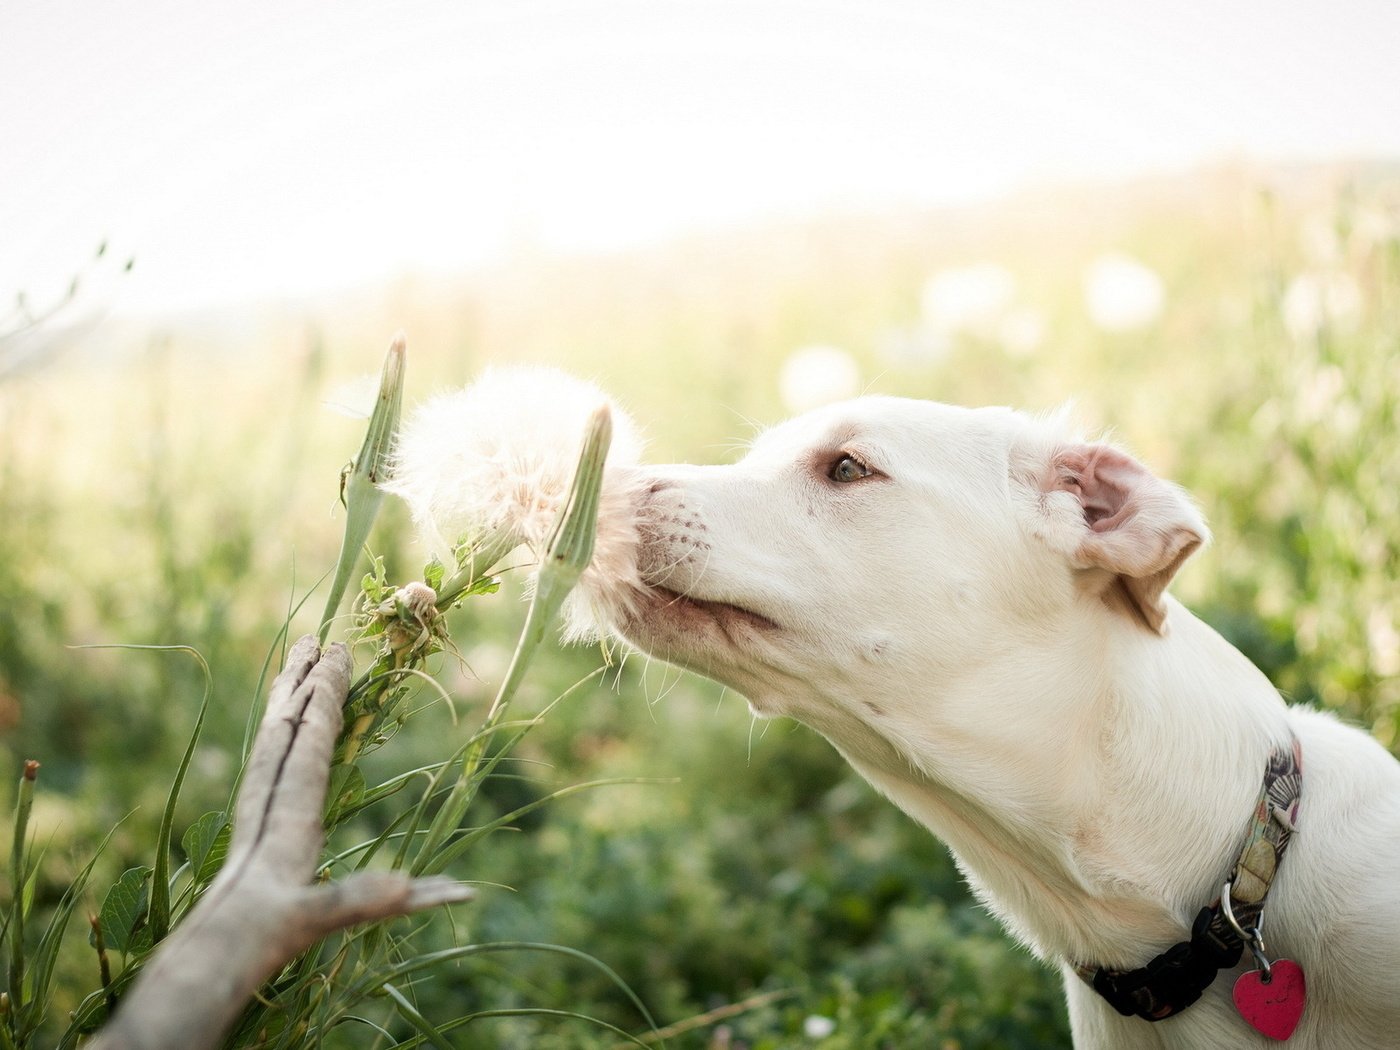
500 455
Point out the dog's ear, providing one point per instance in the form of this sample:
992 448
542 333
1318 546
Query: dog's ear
1137 528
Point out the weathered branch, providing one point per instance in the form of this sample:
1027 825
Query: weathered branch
262 909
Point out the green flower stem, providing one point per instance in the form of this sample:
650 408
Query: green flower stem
18 877
362 492
567 554
569 550
475 564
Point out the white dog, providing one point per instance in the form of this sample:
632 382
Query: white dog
971 607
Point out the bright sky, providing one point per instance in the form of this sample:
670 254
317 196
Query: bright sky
284 146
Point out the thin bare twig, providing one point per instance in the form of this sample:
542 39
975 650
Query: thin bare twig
263 908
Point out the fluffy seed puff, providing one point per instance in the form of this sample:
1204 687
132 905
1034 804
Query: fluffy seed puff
499 456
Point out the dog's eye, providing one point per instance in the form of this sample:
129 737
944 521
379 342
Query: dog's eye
848 469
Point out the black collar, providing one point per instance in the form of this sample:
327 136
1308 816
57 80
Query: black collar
1175 979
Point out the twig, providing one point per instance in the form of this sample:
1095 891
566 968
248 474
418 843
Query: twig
719 1013
263 909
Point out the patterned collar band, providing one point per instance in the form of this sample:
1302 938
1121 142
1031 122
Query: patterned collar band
1175 979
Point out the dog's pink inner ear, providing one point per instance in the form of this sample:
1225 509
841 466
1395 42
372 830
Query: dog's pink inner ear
1140 528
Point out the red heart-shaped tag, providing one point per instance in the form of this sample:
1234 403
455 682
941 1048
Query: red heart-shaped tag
1276 1007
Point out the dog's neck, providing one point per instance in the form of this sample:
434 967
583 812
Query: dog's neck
1094 816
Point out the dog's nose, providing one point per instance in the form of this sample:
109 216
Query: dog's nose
672 534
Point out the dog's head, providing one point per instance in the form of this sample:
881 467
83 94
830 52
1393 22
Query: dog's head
892 542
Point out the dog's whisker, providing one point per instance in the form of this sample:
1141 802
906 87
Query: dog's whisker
669 689
753 424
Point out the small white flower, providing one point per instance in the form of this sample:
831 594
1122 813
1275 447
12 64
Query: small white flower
816 376
815 1026
1122 294
967 298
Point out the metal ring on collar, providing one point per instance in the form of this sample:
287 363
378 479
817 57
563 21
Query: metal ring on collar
1252 937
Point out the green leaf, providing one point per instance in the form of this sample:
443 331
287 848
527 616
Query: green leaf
434 573
123 913
374 584
346 789
205 843
27 897
485 585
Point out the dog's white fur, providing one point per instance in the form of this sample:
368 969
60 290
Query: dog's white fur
980 627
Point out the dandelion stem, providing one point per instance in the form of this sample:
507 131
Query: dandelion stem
569 550
568 553
362 493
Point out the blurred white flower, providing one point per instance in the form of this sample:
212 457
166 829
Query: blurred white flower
1384 642
1375 227
1314 300
914 346
1318 236
815 1026
501 453
1021 332
816 376
1122 294
967 298
1317 394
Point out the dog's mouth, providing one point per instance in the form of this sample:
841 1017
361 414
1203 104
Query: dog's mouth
730 618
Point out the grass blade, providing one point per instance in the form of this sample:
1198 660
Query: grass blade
409 1013
19 876
159 918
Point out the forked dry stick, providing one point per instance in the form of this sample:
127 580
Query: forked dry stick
263 907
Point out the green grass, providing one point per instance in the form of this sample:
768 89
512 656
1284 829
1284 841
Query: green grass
184 492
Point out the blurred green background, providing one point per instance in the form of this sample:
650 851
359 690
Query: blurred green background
1238 328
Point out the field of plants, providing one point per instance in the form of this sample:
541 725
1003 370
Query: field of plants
727 883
